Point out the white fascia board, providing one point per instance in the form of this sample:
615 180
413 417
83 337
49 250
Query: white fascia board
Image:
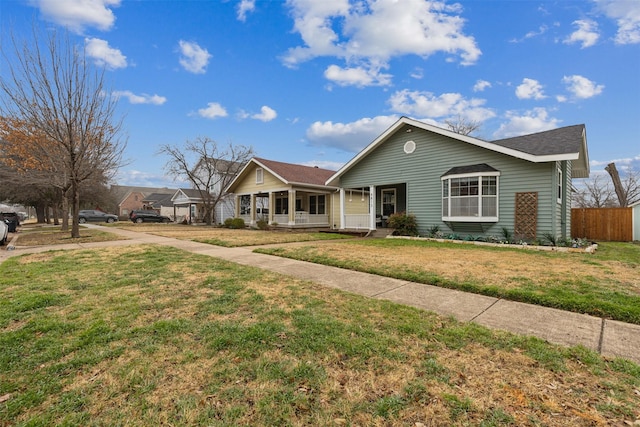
465 138
320 186
363 153
271 172
239 175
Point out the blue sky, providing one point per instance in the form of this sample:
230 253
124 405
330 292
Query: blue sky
313 82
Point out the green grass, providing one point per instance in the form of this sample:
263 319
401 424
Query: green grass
258 237
583 294
148 335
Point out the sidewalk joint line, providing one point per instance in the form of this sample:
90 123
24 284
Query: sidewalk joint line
485 310
601 336
390 290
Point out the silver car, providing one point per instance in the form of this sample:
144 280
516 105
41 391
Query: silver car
4 230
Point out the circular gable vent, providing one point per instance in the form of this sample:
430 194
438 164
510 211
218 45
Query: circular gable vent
409 147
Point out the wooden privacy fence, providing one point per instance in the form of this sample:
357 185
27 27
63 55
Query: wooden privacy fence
609 224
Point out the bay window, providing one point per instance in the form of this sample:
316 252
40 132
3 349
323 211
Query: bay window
470 194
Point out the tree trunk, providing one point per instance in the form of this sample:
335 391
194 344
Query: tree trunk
617 184
75 209
40 213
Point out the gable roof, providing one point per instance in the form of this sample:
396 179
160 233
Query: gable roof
187 193
567 143
159 199
121 192
288 173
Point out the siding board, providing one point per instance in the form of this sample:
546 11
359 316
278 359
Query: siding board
434 155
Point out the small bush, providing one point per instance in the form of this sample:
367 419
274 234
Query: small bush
403 224
262 224
234 223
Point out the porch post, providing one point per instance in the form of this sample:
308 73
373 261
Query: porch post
292 207
342 216
253 208
236 207
372 207
271 206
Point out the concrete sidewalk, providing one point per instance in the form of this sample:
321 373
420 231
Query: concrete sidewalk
607 337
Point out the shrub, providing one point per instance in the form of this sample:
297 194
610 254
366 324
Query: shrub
234 223
262 224
403 224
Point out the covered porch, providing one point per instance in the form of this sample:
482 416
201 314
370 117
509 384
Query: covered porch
286 208
369 208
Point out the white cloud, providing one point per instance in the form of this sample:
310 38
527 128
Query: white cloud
444 106
530 89
266 114
587 33
212 111
244 7
358 76
193 58
103 54
536 120
627 16
368 34
77 15
581 87
531 34
481 85
352 136
140 99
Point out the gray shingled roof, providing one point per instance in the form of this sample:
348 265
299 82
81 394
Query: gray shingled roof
557 141
459 170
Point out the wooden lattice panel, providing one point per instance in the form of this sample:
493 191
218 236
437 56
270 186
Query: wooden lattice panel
526 221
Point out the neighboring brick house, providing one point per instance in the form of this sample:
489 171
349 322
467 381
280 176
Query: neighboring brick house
130 198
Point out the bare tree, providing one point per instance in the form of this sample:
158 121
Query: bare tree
594 193
627 189
462 125
208 167
57 116
599 192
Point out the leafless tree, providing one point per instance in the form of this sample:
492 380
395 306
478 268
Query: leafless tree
628 188
208 167
57 116
600 192
462 125
595 192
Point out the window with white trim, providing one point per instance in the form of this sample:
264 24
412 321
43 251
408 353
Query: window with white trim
470 197
259 176
560 183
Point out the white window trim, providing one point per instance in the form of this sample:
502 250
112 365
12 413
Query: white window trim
560 186
472 218
259 176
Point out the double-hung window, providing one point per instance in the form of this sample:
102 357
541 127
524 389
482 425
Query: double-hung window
317 204
470 194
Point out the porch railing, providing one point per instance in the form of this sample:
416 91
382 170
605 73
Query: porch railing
356 221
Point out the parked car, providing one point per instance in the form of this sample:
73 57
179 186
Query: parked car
11 219
91 215
4 230
148 216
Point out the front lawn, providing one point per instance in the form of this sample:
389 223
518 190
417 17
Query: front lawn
148 335
605 284
229 237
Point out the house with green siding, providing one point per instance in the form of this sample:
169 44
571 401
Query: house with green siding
462 184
